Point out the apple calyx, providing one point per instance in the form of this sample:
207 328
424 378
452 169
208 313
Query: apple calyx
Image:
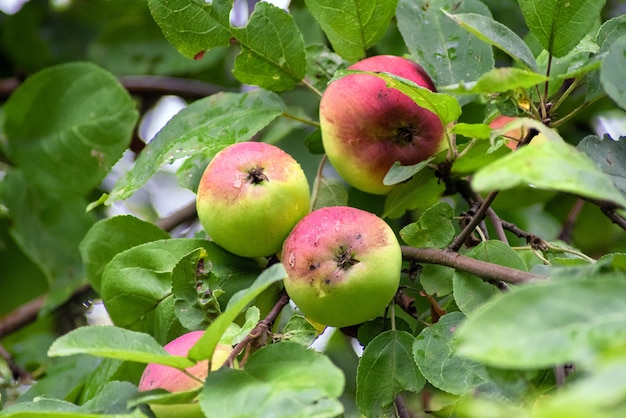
256 175
345 259
407 135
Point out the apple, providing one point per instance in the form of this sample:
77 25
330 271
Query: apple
173 380
250 196
514 135
366 126
343 265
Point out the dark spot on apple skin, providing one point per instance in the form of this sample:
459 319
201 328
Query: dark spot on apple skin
313 266
359 236
327 281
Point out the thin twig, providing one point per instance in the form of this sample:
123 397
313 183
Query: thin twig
261 328
482 269
18 372
497 225
615 217
568 226
311 87
476 219
301 120
403 411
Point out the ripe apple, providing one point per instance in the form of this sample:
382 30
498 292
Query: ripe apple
514 135
343 265
173 380
366 126
250 196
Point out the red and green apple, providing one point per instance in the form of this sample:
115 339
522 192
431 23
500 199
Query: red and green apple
366 127
343 265
250 197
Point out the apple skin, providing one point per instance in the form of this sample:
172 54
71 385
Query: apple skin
516 135
250 196
343 265
171 379
366 126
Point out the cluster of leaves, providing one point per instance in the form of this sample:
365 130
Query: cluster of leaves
484 327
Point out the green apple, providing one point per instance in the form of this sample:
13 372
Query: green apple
366 126
173 380
250 196
343 265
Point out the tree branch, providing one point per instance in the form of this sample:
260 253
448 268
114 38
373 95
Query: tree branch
143 85
482 269
260 329
476 219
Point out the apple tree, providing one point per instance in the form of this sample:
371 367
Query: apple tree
508 277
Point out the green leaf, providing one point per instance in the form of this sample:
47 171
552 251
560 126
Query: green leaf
610 31
118 343
499 80
321 65
440 364
356 26
112 399
433 228
206 126
272 48
110 236
437 280
598 393
422 191
298 329
551 165
547 323
192 26
476 155
443 105
498 35
472 130
74 120
609 156
560 25
385 370
48 228
446 51
399 173
280 380
330 191
137 289
471 292
195 290
612 70
205 346
235 333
